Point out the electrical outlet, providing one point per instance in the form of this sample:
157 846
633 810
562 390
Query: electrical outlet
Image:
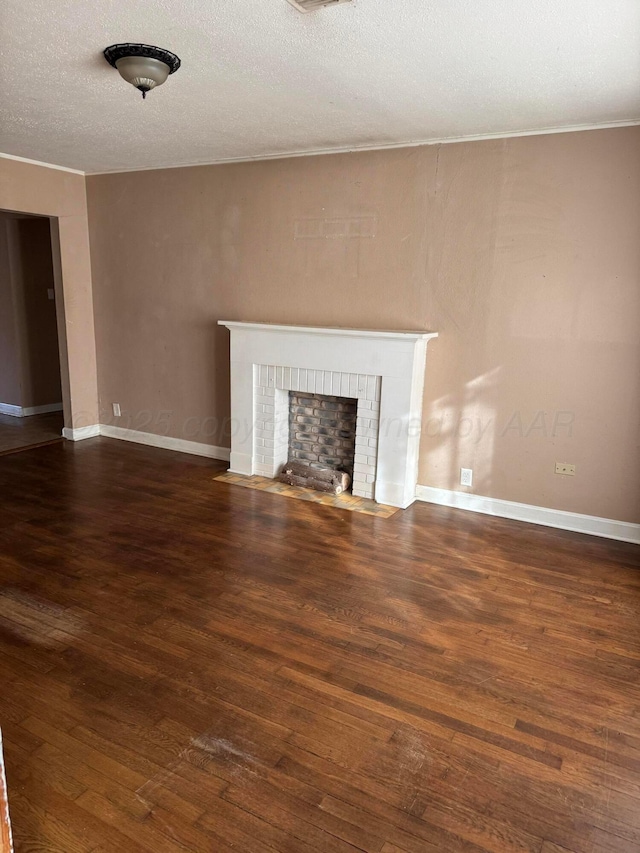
565 468
116 410
51 294
466 476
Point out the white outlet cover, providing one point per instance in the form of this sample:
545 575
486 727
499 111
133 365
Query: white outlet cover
116 410
466 476
311 5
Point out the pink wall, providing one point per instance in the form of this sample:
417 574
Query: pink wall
522 253
29 188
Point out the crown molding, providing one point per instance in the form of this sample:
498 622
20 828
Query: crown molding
41 163
319 152
352 149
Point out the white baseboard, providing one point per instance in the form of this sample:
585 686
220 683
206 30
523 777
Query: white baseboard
609 528
181 445
8 409
165 442
20 412
41 410
81 433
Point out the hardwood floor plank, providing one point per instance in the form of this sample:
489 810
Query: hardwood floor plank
17 434
304 822
602 752
37 765
244 831
42 814
160 833
189 666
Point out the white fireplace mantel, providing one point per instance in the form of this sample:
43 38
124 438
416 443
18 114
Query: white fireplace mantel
383 370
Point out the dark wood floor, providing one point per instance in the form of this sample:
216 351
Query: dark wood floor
18 433
189 665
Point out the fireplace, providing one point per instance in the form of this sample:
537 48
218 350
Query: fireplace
382 372
322 430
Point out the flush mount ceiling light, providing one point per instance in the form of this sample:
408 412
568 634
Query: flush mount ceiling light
142 65
310 5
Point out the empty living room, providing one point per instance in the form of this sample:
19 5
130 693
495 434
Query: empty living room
320 426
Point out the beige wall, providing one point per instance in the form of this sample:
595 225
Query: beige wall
29 188
522 253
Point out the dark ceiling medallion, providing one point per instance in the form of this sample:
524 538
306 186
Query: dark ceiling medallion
118 51
142 65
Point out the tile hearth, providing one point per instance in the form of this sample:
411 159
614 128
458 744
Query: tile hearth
344 501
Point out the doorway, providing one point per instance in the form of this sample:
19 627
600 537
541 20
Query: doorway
30 380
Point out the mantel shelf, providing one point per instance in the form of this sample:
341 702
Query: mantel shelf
406 335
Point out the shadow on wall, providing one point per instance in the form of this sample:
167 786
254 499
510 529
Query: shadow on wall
532 270
470 428
457 420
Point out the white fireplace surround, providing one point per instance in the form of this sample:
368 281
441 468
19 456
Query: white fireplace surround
382 370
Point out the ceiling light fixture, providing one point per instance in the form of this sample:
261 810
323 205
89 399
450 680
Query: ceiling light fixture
312 5
142 65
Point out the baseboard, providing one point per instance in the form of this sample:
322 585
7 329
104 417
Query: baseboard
26 412
608 528
80 433
165 442
41 410
8 409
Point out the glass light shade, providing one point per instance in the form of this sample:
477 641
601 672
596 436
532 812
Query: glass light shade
143 72
143 65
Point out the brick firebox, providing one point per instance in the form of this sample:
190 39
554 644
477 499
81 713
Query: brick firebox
322 430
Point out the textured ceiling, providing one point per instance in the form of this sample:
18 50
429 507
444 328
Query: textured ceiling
258 78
